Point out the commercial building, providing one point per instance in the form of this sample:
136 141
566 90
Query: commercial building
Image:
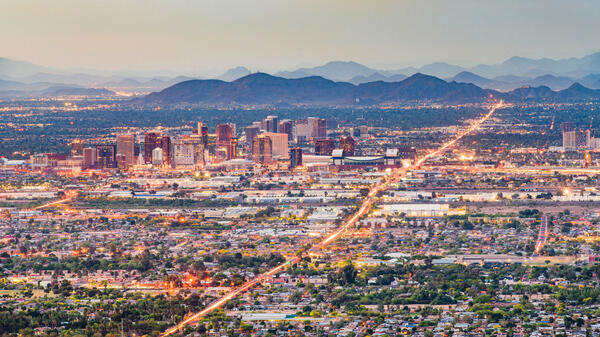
183 154
224 134
106 156
295 157
320 126
151 142
271 124
416 210
76 147
203 133
309 129
286 126
279 143
262 151
165 145
89 157
126 148
251 132
226 143
157 156
574 138
391 159
347 144
324 147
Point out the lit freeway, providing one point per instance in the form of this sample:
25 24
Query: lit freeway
542 235
68 198
363 210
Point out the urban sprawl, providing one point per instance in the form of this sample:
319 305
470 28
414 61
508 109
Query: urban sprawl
306 227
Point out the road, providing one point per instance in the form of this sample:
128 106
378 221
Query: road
68 198
462 134
363 210
542 235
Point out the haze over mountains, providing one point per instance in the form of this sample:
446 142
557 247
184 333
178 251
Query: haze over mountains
265 89
20 78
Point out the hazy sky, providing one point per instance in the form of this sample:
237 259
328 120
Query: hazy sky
198 35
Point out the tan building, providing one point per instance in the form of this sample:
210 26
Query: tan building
262 150
126 148
279 141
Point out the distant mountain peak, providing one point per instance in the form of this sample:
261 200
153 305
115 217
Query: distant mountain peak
333 70
234 73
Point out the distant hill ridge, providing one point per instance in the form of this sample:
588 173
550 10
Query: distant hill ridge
261 88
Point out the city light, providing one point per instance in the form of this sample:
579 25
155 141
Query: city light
363 210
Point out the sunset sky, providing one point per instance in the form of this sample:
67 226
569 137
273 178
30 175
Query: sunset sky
196 36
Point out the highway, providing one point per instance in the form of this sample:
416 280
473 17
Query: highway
363 210
462 134
542 236
68 198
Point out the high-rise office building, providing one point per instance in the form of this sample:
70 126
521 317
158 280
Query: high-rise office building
271 124
251 132
324 147
126 147
285 126
320 127
203 133
106 156
279 143
262 151
226 151
224 134
89 157
167 152
189 150
347 144
574 138
295 157
76 147
151 142
310 129
157 156
302 131
225 142
183 153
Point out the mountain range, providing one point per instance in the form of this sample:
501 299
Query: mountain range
265 89
22 78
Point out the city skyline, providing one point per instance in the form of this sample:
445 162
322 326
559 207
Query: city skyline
201 168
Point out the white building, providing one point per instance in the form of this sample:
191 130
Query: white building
183 154
414 210
157 156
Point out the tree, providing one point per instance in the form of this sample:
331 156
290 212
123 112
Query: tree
345 275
